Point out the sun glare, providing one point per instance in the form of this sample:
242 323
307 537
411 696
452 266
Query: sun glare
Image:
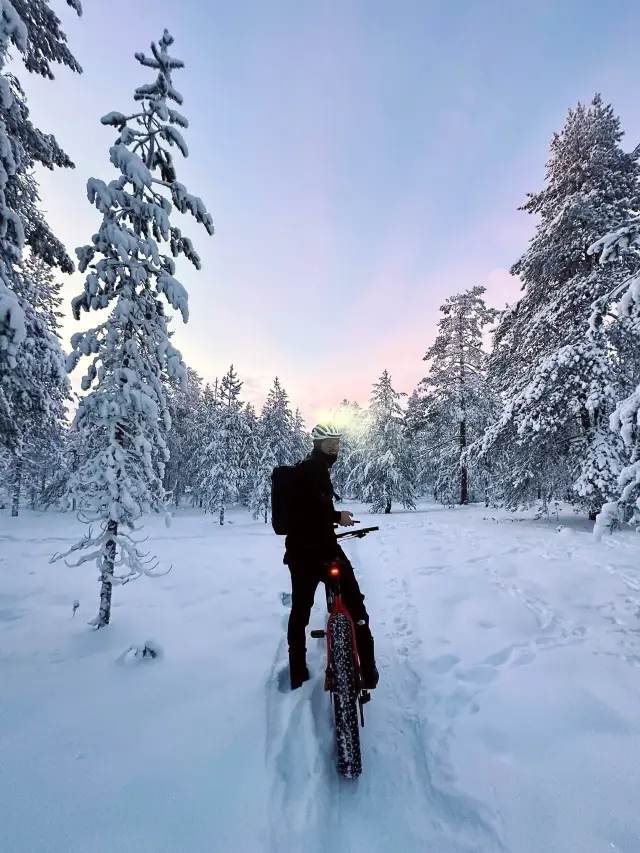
342 419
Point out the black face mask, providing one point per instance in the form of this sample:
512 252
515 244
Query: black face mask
330 458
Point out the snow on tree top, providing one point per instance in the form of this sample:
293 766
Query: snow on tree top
114 118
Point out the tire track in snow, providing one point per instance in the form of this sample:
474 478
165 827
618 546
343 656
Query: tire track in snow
450 820
291 797
300 752
406 798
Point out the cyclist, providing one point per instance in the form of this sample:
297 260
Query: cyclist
310 547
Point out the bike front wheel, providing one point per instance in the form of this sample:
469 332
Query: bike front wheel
345 696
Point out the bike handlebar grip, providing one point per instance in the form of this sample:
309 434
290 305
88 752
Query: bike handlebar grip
359 533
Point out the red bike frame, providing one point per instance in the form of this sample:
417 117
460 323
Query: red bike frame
337 607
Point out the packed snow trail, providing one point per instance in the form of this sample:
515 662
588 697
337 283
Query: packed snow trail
399 774
505 719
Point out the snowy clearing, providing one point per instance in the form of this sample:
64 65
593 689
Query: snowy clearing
506 718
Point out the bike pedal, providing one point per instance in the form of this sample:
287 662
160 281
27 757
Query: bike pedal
318 635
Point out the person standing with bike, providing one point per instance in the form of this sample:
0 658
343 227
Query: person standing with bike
311 545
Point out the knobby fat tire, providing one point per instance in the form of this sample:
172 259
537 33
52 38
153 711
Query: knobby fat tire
345 697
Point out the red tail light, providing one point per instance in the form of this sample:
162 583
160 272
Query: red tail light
334 571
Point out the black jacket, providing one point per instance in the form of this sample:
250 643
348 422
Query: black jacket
313 514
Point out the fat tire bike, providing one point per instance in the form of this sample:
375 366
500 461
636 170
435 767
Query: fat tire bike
343 678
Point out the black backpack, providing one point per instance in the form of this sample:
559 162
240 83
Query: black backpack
282 479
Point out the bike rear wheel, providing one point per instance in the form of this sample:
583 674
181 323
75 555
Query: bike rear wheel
345 696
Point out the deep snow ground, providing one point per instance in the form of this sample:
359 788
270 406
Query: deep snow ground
506 718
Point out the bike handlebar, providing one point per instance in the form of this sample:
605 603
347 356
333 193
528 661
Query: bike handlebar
359 534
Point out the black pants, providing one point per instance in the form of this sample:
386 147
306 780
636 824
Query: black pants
308 569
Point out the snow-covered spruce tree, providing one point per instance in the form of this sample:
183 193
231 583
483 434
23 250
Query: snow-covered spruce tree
260 498
426 445
382 472
278 425
184 453
32 375
276 445
33 380
459 405
229 389
616 315
222 457
414 414
44 463
557 384
38 463
75 454
42 288
417 433
38 387
251 454
53 477
124 417
518 474
204 432
300 439
208 404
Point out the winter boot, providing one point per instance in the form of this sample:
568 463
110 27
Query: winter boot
298 677
368 668
298 671
370 677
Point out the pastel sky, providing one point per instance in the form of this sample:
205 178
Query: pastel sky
362 159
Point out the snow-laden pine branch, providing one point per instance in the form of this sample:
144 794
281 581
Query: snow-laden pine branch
623 302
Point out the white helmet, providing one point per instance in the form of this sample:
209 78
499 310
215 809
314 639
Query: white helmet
322 431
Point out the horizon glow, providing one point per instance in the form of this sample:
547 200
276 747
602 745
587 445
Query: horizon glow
361 164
